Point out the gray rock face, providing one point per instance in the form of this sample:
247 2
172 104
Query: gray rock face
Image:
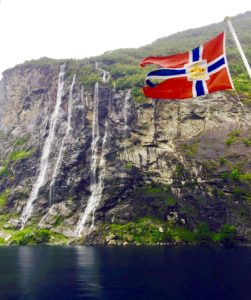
183 161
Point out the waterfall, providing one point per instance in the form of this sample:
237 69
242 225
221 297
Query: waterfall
105 74
84 103
97 182
62 148
46 151
126 107
98 190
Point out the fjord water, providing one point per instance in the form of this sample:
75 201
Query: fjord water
179 273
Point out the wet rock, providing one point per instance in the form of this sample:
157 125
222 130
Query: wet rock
171 161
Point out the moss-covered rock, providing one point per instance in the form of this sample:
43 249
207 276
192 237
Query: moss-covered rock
29 236
147 231
4 197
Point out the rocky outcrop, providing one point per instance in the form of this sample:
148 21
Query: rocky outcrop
186 162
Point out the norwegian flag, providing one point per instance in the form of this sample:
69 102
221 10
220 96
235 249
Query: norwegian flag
186 75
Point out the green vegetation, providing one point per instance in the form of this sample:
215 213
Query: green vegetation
4 171
236 174
4 197
58 220
33 236
203 233
44 61
247 142
128 166
151 189
222 161
180 170
233 136
171 201
190 150
30 236
4 218
188 210
242 82
143 231
123 64
151 231
138 95
85 72
227 235
20 154
160 192
155 189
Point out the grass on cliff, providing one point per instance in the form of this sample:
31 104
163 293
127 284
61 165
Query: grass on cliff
28 236
33 236
4 197
19 152
147 231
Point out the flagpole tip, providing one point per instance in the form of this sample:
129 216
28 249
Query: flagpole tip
226 19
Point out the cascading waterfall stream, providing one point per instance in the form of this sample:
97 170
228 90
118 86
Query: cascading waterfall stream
45 152
94 150
84 103
126 108
125 115
105 74
99 189
62 148
97 183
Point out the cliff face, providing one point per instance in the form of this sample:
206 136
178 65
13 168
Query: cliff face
77 159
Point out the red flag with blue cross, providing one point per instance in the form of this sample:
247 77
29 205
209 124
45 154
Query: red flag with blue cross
191 74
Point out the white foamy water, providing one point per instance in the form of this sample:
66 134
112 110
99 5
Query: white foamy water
62 148
98 189
45 152
97 182
105 74
126 109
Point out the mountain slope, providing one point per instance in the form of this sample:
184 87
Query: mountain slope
85 158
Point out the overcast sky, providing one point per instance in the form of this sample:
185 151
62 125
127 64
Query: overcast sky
31 29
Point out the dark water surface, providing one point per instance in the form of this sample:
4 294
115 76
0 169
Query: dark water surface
180 273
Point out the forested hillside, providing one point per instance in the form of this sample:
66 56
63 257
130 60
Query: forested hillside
123 64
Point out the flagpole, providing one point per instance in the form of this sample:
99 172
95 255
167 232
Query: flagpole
245 61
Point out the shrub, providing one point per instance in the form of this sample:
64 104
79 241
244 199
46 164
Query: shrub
148 230
138 95
222 161
203 233
4 197
247 142
190 150
4 171
226 236
232 137
246 176
128 166
184 235
235 174
29 236
20 154
151 190
171 201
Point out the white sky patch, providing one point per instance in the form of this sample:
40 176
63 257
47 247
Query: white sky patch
31 29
